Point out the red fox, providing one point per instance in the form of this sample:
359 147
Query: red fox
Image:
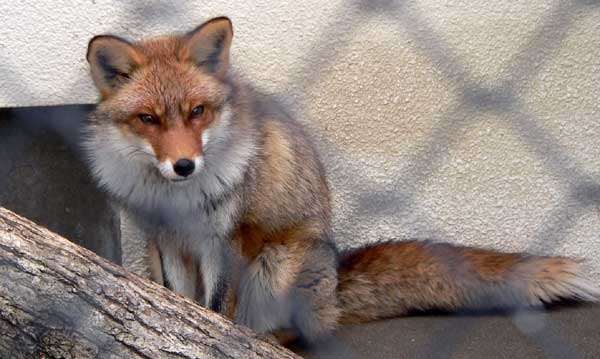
231 200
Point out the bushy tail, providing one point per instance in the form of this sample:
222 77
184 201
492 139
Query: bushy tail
389 279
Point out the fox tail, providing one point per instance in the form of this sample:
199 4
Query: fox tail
389 279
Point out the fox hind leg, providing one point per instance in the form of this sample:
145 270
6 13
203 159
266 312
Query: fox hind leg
315 310
290 288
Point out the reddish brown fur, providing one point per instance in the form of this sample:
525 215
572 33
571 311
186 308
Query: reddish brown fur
389 279
252 238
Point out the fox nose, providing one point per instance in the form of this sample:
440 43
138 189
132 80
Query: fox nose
184 167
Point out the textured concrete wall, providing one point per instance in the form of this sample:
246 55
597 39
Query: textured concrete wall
469 121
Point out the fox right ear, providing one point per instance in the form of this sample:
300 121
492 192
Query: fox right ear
112 60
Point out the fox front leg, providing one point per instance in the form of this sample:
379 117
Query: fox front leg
180 271
216 265
139 250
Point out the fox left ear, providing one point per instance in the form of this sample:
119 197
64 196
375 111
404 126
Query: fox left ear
208 46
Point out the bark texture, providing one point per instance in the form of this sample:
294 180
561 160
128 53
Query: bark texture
59 300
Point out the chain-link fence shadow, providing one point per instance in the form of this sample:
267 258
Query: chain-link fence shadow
499 99
584 192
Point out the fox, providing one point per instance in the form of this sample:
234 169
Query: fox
229 204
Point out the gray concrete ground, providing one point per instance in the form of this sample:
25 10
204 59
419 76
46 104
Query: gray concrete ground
42 177
566 332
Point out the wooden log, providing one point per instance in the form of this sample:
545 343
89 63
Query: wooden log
59 300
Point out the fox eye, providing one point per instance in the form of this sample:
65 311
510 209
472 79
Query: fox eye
197 112
149 119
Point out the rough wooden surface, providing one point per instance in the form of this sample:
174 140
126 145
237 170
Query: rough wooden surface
59 300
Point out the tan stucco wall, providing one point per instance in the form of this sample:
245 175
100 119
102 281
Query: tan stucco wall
475 122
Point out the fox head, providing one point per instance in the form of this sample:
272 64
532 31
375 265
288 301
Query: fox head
163 100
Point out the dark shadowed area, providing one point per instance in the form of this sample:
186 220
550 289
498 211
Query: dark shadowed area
43 177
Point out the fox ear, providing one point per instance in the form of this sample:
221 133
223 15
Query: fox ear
112 60
208 45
